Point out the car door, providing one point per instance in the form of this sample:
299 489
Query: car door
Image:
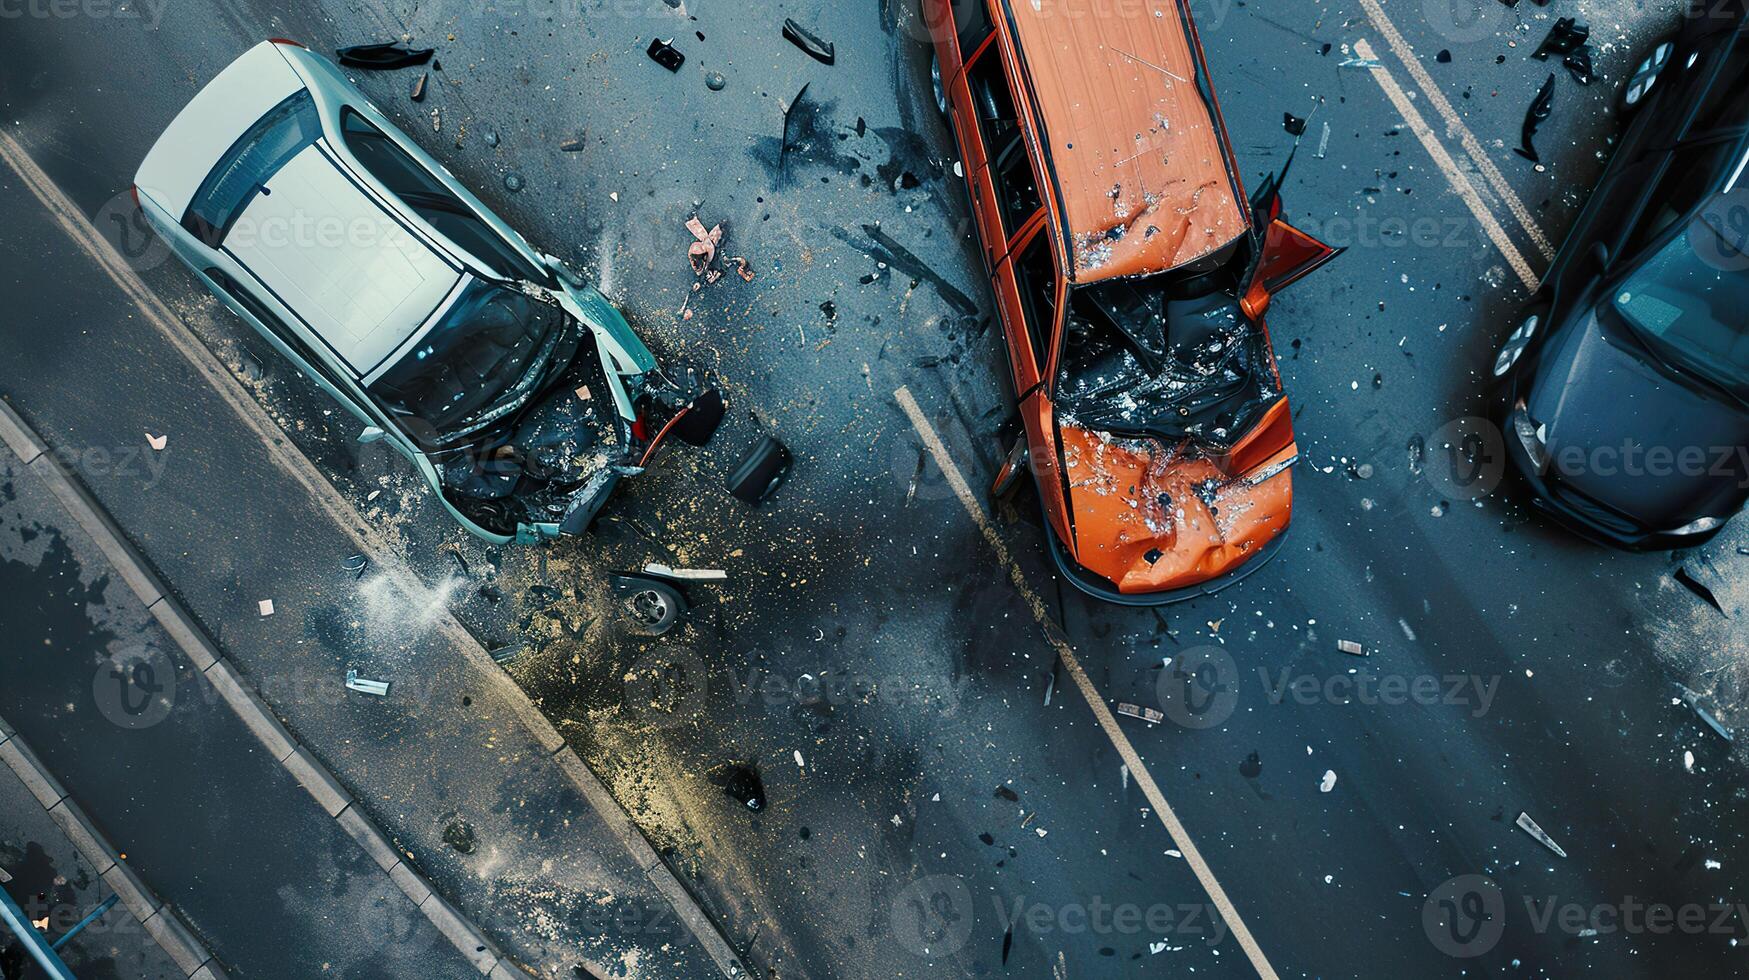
1032 292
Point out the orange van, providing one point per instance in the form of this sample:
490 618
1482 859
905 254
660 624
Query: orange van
1131 274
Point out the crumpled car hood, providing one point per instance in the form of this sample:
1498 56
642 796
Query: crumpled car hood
1152 518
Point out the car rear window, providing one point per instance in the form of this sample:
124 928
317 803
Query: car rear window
249 164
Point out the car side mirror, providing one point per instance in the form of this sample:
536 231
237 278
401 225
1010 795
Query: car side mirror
371 434
1600 255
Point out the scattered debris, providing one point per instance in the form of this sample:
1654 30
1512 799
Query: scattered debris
1567 36
741 783
513 182
1538 113
1578 65
418 92
1692 699
1324 142
1529 826
760 472
665 54
1150 715
1443 57
1688 760
356 564
384 56
715 81
366 686
1294 125
157 442
506 655
571 144
460 835
1328 783
1351 648
686 574
1702 578
491 138
801 37
265 606
799 763
702 252
1004 793
1360 63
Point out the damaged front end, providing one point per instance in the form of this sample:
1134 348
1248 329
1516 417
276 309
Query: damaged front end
547 457
1175 438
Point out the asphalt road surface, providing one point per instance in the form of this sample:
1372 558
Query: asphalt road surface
930 813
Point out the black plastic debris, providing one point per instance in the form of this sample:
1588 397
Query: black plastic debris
1004 793
1538 113
385 56
1564 38
1579 64
1702 578
418 92
760 472
571 144
1294 125
740 783
460 836
1443 57
664 53
801 37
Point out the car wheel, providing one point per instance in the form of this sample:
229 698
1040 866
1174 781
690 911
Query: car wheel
651 607
935 82
1645 76
1512 352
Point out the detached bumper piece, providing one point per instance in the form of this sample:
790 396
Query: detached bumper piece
761 472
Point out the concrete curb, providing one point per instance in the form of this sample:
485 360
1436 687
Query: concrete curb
160 921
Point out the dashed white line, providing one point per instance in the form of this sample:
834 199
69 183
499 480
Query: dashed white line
1138 770
1454 125
1460 182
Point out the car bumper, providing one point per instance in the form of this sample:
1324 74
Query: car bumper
1102 589
1587 518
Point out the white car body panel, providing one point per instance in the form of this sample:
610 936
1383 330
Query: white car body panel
360 279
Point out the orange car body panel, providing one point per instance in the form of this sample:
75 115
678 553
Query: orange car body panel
1137 158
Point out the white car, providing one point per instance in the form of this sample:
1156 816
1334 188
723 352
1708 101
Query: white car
518 392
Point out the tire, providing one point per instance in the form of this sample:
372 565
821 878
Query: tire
760 472
938 84
1643 79
650 606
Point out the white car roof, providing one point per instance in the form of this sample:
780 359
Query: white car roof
357 276
219 115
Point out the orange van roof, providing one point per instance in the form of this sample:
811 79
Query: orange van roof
1135 151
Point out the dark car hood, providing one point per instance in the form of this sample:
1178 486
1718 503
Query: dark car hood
1625 433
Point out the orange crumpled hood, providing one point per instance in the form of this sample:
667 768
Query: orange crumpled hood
1136 498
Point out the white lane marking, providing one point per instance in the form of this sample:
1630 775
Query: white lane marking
1102 714
1460 183
1454 125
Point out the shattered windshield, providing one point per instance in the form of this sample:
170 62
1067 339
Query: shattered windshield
1159 357
480 363
1688 301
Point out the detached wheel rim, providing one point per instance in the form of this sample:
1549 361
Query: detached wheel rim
648 607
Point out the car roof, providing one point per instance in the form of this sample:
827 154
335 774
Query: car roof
1132 140
217 117
356 275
